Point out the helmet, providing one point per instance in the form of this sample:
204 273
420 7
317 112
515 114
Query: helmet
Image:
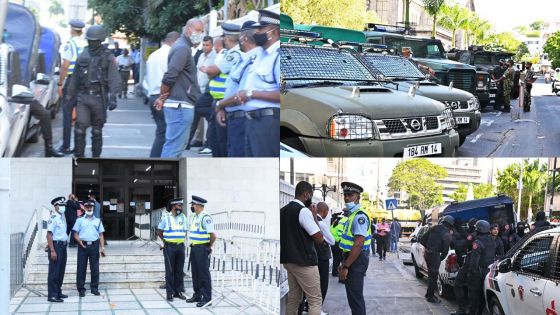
448 219
482 226
96 32
472 221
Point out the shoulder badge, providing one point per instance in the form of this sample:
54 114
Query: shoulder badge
229 57
469 237
361 220
208 220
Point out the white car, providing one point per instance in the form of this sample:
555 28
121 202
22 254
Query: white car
447 269
527 282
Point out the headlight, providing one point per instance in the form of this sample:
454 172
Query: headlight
473 103
447 120
350 127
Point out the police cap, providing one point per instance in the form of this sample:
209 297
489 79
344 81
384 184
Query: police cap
482 226
96 32
196 200
231 29
89 203
76 24
351 188
176 201
247 25
58 201
267 17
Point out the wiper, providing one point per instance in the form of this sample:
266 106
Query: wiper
317 84
406 78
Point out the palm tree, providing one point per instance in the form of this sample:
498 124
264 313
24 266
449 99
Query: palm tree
453 18
433 8
534 179
55 8
407 14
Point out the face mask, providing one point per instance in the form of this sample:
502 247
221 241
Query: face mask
94 44
350 205
307 202
261 39
179 211
196 38
89 213
61 209
192 209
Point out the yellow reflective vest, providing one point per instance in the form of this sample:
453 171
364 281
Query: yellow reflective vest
176 228
347 238
198 234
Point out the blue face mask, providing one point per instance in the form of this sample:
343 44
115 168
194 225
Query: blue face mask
61 209
350 206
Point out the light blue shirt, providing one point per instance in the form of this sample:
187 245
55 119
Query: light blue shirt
238 76
264 76
207 222
360 225
231 58
88 229
180 219
57 226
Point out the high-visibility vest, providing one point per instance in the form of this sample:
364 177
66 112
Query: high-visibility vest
347 238
217 86
76 51
197 234
337 230
176 228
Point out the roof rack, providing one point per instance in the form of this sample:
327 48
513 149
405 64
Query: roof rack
403 30
369 47
298 33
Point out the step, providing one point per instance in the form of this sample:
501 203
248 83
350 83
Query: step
103 266
107 276
137 284
109 259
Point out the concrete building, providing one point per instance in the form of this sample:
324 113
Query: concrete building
460 171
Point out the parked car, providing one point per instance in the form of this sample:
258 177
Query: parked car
527 280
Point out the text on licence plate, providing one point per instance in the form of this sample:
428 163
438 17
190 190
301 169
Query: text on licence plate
422 150
462 120
492 95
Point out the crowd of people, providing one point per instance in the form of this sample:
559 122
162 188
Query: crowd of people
508 80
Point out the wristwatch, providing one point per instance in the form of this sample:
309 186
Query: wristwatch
345 267
218 105
249 94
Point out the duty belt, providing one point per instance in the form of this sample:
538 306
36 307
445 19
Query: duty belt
195 245
92 91
235 114
254 114
88 243
60 242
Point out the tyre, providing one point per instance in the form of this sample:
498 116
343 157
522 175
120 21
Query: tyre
417 271
295 143
462 139
495 307
444 290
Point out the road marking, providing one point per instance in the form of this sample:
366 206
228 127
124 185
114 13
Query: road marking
487 122
130 125
498 114
476 138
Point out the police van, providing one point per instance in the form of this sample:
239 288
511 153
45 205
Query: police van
527 281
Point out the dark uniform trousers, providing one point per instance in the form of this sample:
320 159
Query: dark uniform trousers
460 289
161 126
217 135
174 255
91 253
337 257
200 264
68 105
262 132
433 261
323 265
44 116
355 284
56 269
89 112
69 231
475 286
236 134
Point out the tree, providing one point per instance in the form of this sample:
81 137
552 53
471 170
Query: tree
418 178
480 191
552 48
453 18
537 25
433 7
55 8
534 179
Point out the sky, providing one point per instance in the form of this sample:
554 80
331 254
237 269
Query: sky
517 12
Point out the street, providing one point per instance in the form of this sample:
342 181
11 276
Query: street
537 133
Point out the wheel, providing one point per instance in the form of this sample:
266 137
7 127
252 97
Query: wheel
462 139
495 307
295 143
417 271
444 290
35 137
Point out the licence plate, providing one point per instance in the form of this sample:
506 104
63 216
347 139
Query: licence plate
422 150
462 120
492 95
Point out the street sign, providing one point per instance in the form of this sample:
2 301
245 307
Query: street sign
391 204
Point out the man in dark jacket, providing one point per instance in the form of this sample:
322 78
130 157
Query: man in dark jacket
482 255
71 214
540 220
436 241
494 231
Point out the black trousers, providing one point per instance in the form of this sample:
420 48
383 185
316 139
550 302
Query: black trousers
174 255
89 112
56 270
323 265
460 289
499 101
202 109
200 267
44 116
67 108
432 260
161 126
91 253
70 232
217 136
355 284
337 258
382 245
475 283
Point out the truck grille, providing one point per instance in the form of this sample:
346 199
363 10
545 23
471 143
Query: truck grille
408 127
463 80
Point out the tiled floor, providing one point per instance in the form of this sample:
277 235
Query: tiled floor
114 302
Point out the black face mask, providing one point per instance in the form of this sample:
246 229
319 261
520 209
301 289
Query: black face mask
192 208
307 203
260 39
94 45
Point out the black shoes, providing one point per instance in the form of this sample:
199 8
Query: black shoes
64 150
193 299
57 300
95 293
201 304
51 152
433 299
82 294
62 296
180 296
170 298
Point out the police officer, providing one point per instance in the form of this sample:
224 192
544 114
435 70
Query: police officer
57 240
437 243
354 243
337 227
172 230
518 235
96 82
497 73
530 78
202 237
72 50
89 236
482 255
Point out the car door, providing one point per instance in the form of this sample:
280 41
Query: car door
551 296
419 249
526 282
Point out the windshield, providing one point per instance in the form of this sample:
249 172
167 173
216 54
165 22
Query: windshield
420 48
301 65
482 59
393 66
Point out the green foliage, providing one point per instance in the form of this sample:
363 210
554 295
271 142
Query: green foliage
433 8
479 191
537 25
418 178
522 52
453 18
504 40
352 14
56 8
552 48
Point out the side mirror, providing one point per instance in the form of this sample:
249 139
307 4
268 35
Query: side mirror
504 266
413 239
21 94
42 79
57 70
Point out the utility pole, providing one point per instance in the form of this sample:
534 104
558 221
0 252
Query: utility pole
553 188
520 187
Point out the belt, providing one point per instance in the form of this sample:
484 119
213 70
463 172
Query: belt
262 113
346 254
173 244
178 105
195 245
88 243
235 114
60 242
96 92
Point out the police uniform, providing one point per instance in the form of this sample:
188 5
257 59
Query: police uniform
358 224
89 230
336 230
201 226
482 255
72 50
56 228
262 129
96 82
217 88
174 229
437 246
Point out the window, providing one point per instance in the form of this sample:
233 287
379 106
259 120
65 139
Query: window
555 272
534 257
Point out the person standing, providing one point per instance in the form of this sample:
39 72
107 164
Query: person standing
125 64
507 79
355 243
337 226
137 57
436 242
540 220
71 215
518 234
89 236
323 250
494 231
202 237
156 66
57 240
497 73
299 231
179 90
395 233
72 50
116 51
383 229
96 82
172 229
482 255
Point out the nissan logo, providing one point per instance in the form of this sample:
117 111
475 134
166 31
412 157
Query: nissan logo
415 124
454 105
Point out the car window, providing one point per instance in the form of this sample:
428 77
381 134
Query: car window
533 257
555 272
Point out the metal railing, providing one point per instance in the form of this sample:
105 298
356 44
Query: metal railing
21 245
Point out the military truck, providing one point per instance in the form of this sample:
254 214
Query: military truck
333 105
430 52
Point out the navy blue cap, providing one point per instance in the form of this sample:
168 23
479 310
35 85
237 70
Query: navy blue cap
176 201
247 25
231 29
267 17
76 24
349 188
198 200
58 201
89 203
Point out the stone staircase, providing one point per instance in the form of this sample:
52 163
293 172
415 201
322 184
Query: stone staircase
127 264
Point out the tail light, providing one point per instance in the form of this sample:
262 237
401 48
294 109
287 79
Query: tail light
451 264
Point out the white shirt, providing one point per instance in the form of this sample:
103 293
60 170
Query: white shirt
204 60
306 220
326 230
125 61
156 66
69 53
